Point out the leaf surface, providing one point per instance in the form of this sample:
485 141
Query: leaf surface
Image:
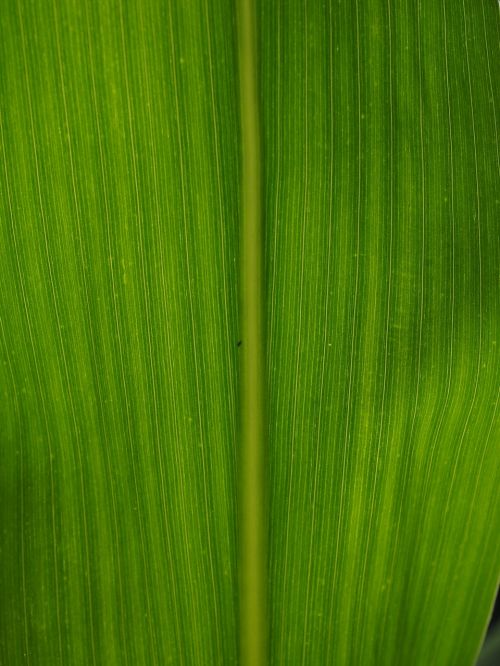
120 405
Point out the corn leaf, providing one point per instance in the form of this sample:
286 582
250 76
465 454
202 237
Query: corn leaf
129 138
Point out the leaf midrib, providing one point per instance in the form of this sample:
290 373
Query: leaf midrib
252 477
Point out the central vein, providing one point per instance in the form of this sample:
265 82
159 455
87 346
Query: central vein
253 556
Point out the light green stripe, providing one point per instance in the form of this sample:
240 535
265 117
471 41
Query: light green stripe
253 557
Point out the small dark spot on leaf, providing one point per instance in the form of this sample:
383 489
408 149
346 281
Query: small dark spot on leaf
239 343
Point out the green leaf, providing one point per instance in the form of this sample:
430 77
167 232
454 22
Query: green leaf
157 483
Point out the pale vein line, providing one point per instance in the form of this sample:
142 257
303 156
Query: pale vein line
355 641
332 618
298 352
54 299
387 317
321 387
423 235
151 624
159 454
275 232
196 361
490 81
355 298
89 321
484 552
466 530
492 92
22 536
142 261
407 461
458 451
479 271
120 348
15 396
177 435
277 176
449 371
24 299
228 342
